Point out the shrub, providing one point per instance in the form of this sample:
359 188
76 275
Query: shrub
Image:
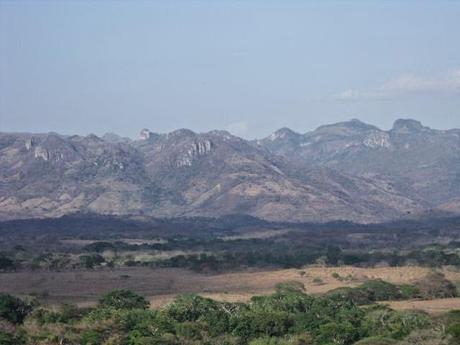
92 260
68 313
290 286
337 276
409 291
7 339
217 316
318 281
6 264
98 247
380 290
91 338
123 299
375 290
384 322
435 285
356 295
13 309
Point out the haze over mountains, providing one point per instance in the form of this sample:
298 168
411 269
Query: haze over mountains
349 171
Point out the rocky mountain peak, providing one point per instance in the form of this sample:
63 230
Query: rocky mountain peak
352 126
284 133
221 134
115 138
182 132
349 170
145 134
408 126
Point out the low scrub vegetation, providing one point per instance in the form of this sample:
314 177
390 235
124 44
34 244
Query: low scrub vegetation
288 316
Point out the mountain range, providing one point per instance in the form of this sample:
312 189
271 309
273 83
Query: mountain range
344 171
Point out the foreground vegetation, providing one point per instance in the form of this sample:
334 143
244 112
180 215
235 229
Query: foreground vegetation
288 316
350 314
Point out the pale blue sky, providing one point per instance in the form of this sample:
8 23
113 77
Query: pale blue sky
248 66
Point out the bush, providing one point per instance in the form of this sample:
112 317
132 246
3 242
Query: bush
385 322
13 309
380 290
123 299
7 339
91 338
375 290
409 291
290 286
90 261
356 295
454 331
435 285
68 313
6 264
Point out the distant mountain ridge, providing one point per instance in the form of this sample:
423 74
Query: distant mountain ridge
344 171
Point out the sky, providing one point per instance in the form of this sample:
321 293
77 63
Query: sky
250 67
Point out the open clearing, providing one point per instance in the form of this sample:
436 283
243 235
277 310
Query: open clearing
163 284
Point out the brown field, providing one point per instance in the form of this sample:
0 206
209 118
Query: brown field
162 285
431 306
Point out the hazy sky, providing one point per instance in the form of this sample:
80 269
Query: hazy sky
247 66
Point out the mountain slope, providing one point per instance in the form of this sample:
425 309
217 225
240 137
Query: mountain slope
422 162
351 171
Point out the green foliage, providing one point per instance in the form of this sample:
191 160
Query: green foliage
380 290
302 339
357 295
435 285
91 337
7 338
290 286
337 276
409 291
98 247
287 317
382 321
68 313
123 299
453 326
103 313
216 315
454 331
376 290
92 260
13 309
6 264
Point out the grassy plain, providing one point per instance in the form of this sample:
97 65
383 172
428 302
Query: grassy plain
161 285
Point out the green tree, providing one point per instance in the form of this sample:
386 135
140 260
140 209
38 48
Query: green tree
13 309
123 299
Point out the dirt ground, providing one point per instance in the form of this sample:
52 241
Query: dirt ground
162 285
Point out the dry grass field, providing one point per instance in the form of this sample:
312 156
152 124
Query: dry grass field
162 285
432 306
